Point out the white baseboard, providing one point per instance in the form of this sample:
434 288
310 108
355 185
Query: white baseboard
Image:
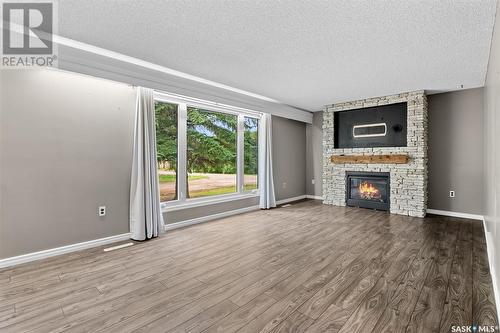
7 262
284 201
493 271
455 214
489 248
314 197
208 218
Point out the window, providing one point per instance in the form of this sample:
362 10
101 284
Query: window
251 150
211 153
204 150
166 149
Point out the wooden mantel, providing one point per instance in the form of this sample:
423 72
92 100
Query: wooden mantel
370 159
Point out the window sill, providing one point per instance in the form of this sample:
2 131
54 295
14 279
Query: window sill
190 203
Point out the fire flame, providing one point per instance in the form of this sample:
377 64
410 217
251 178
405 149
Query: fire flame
368 191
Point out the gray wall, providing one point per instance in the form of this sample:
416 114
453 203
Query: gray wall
65 149
289 163
492 151
456 151
314 155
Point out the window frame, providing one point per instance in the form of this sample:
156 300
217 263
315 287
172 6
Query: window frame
183 103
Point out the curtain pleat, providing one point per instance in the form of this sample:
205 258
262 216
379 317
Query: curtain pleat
146 219
266 184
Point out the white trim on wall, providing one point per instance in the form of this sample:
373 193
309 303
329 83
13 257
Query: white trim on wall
493 268
489 248
217 199
300 197
314 197
202 219
207 218
455 214
284 201
7 262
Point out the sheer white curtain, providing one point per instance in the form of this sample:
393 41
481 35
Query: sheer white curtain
266 184
146 219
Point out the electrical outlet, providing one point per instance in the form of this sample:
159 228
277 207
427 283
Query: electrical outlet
102 211
284 184
313 181
452 194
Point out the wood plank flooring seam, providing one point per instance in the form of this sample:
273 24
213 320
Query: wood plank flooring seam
254 272
450 272
388 296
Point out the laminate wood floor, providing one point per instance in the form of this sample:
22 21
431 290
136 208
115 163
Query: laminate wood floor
303 268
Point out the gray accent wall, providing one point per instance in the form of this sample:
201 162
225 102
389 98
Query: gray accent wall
314 156
491 196
456 151
289 163
65 149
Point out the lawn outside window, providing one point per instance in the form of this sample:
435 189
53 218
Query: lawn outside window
207 152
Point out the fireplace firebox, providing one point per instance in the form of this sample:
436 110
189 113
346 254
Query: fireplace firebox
368 190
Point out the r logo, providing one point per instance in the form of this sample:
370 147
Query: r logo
27 28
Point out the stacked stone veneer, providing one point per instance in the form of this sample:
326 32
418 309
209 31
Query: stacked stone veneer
408 182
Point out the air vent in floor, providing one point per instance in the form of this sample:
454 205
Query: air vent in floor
121 246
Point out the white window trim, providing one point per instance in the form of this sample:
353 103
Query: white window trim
171 206
183 103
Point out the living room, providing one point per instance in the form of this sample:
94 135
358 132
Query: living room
249 166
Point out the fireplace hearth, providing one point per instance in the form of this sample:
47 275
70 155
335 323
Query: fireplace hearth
368 190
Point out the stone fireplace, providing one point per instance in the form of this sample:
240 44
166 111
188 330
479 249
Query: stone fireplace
406 188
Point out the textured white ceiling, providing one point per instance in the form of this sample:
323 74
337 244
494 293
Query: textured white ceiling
303 53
